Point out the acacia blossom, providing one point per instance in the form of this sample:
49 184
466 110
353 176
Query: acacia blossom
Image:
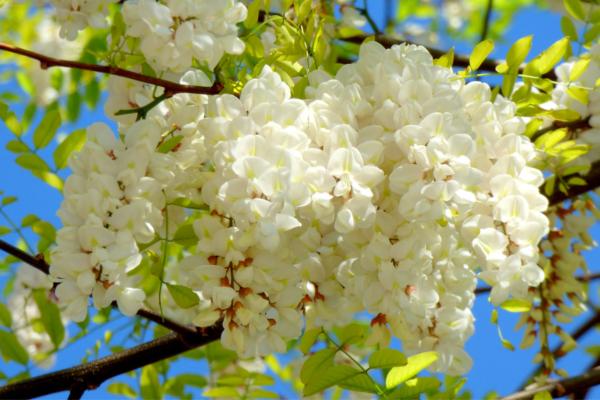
388 190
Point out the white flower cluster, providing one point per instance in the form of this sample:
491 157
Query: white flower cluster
387 191
561 297
116 199
562 99
76 15
173 33
24 312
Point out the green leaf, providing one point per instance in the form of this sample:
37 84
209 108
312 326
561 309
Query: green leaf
10 119
183 296
122 389
32 162
480 53
50 178
50 317
4 230
575 9
170 143
29 220
579 68
227 392
150 387
516 305
8 200
360 383
551 139
73 142
518 52
550 57
322 359
73 106
16 146
445 61
568 28
545 395
192 380
185 235
387 358
47 128
262 394
328 377
252 15
308 339
414 387
11 349
576 181
5 316
414 365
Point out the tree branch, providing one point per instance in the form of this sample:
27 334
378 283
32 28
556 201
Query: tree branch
592 180
36 262
561 388
577 125
91 375
170 87
486 20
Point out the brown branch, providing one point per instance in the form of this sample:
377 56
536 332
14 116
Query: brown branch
459 60
584 278
577 125
562 387
40 264
91 375
170 87
592 180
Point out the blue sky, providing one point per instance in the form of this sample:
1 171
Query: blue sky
495 368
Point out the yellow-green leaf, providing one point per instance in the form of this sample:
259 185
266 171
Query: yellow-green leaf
516 305
11 349
545 395
387 358
579 68
550 57
308 339
480 53
568 28
73 142
575 9
183 296
446 60
322 359
328 377
47 128
518 52
414 365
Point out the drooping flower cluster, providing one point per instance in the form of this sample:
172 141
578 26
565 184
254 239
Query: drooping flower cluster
25 312
561 297
75 15
388 190
174 33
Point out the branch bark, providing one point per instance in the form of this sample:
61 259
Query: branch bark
171 88
561 388
91 375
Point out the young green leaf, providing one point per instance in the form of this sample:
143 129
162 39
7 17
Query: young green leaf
170 143
73 142
50 317
308 339
414 365
150 387
183 296
550 57
414 387
47 128
516 305
480 53
11 349
360 383
320 360
122 389
575 9
518 52
328 377
5 316
387 358
568 28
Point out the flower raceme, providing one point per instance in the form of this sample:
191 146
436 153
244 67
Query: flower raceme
390 189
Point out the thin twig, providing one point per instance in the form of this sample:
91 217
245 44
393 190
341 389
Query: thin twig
170 87
37 262
486 20
91 375
562 387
